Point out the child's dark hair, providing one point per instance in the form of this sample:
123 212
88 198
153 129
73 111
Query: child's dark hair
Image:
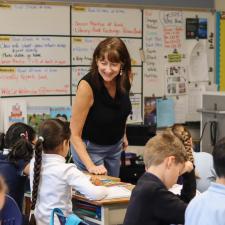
18 139
219 158
52 134
2 141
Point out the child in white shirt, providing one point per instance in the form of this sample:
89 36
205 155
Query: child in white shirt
51 178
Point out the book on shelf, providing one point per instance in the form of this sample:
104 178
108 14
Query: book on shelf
88 209
14 111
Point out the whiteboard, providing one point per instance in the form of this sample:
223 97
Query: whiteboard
83 49
31 81
79 71
119 22
34 50
35 19
164 33
46 49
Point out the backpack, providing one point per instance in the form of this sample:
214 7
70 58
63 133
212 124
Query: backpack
72 219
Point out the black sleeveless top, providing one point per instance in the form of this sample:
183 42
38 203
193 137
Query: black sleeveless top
106 120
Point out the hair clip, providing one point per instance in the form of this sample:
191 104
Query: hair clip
24 135
41 138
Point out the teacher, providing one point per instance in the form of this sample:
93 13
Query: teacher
101 108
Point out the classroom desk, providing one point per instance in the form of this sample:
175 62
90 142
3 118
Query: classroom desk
112 211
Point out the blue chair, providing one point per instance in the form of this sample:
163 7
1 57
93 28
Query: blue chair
204 169
11 214
72 219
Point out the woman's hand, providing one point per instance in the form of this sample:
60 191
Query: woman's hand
125 142
97 169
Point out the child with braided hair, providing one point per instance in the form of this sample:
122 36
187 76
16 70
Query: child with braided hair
204 171
16 153
185 136
51 178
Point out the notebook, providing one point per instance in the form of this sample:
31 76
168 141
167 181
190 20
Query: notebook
118 192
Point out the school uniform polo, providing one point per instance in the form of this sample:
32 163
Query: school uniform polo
152 204
207 208
14 178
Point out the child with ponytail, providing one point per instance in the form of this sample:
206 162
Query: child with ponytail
51 178
16 153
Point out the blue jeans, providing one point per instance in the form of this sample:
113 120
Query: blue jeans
107 155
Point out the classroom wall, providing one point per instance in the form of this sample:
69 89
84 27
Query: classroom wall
167 3
220 5
172 3
63 68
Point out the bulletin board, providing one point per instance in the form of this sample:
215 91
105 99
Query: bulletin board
46 49
179 58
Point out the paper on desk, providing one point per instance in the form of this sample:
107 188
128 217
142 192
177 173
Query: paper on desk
118 192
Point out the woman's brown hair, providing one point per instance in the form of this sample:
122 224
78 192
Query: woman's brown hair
116 51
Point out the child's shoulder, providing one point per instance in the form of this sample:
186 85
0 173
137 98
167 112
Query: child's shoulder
149 183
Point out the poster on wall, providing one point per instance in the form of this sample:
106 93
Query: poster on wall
196 28
150 111
175 74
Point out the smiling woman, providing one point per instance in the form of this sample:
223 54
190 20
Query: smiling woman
101 108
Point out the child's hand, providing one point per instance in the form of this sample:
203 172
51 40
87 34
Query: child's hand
188 167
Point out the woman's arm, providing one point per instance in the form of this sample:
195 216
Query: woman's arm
82 104
82 183
125 140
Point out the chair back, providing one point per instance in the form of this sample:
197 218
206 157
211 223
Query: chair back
72 219
204 169
11 214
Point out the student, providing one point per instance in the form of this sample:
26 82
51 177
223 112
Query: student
2 195
101 108
15 157
151 202
203 161
209 207
185 136
51 178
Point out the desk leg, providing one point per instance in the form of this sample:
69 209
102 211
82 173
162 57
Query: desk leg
113 214
105 215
